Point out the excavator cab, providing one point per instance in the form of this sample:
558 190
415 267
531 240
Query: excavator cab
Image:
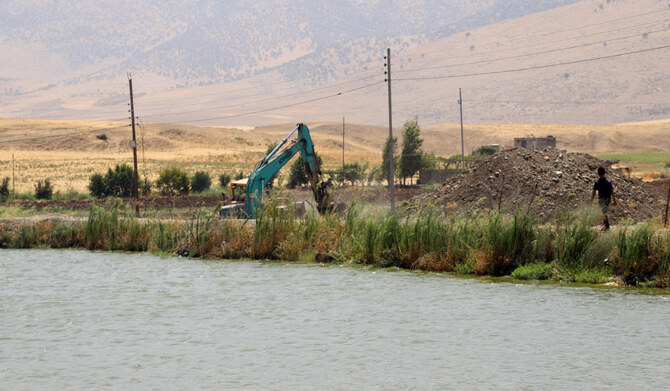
238 190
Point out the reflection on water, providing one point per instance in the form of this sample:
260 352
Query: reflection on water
82 320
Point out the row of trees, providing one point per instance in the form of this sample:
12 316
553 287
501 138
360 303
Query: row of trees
118 182
410 159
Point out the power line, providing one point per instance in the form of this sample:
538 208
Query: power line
262 100
530 54
536 66
516 38
286 105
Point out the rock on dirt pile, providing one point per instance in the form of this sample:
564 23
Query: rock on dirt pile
549 180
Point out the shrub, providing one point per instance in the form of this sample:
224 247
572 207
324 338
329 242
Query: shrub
200 182
173 180
43 190
4 190
117 182
633 260
224 180
145 187
298 175
97 186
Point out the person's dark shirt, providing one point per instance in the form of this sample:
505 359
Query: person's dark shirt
604 187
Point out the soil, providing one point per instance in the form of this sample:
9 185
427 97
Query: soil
152 203
547 182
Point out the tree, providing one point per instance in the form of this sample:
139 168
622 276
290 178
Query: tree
97 186
200 182
353 172
298 175
119 182
385 157
485 150
172 180
224 179
43 190
4 190
411 157
375 175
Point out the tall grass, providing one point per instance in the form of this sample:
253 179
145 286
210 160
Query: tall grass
481 243
633 260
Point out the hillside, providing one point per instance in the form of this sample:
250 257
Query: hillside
221 64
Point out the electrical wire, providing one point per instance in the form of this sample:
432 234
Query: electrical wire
262 100
534 67
516 38
529 54
286 105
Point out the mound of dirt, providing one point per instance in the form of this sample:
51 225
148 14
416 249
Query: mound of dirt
546 181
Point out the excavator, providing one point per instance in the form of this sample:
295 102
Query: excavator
254 188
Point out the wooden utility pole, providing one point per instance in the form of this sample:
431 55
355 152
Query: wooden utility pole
13 181
133 144
667 206
460 104
390 146
342 147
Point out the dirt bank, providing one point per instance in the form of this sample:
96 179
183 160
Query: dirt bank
546 182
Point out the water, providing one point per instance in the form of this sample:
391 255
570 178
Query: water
74 320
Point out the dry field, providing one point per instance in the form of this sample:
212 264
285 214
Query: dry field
69 152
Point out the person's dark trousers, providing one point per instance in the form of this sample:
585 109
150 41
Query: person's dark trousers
604 205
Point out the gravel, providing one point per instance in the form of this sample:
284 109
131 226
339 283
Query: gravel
545 181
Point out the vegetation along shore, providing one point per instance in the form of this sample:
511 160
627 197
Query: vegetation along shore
482 243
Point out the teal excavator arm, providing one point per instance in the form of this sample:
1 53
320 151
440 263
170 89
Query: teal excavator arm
275 160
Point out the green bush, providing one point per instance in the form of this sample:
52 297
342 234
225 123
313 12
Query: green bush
200 182
97 186
117 182
173 180
297 175
43 190
224 180
4 190
145 187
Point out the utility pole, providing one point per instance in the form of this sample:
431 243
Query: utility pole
342 147
667 206
390 146
133 145
13 181
460 103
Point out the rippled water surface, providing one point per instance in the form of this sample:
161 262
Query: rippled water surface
79 320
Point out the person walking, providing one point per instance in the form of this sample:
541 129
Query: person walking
605 195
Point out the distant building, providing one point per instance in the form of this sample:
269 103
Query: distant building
535 142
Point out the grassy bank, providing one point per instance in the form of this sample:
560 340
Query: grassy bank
491 244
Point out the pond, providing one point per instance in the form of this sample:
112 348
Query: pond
89 320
